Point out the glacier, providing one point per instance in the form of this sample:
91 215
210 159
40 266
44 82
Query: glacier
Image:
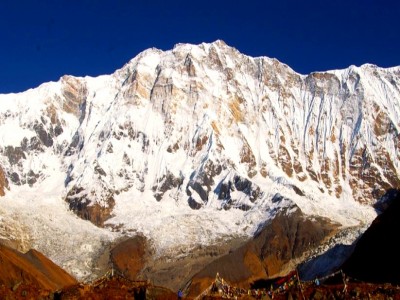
188 147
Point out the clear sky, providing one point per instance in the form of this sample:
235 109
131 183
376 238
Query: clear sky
42 40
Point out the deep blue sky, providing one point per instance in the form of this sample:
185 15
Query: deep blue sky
42 40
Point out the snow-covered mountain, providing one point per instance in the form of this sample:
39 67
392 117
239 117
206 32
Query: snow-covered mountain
191 147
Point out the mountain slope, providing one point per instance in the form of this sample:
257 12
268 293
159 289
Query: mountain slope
376 254
274 251
189 147
31 268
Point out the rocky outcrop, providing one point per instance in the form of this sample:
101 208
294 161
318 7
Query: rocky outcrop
80 203
313 124
207 129
254 116
129 257
166 183
74 93
3 182
274 251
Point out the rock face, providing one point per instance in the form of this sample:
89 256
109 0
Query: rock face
198 140
274 251
128 257
3 182
332 131
31 268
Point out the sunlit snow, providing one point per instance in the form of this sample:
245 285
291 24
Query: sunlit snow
153 118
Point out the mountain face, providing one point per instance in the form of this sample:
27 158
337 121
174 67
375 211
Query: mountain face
31 268
199 145
274 251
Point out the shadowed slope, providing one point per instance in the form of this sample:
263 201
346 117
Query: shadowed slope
31 268
271 253
376 254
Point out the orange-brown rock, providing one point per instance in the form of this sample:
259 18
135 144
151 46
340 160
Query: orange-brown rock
31 268
74 94
3 182
269 254
128 257
85 209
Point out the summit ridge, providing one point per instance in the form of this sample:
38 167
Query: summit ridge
192 146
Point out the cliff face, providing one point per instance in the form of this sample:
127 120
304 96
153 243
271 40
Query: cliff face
201 118
191 146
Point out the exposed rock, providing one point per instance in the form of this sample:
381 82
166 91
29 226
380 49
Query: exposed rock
225 188
3 182
32 177
193 204
175 270
74 93
99 170
273 252
88 210
230 125
31 268
128 257
202 182
76 144
247 187
43 135
14 154
33 144
199 189
165 183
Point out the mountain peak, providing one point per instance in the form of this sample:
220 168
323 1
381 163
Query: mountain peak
200 138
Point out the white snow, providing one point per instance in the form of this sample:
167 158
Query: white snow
42 219
12 135
129 130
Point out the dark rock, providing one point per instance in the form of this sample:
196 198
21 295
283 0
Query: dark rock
202 182
224 190
43 135
15 178
73 146
58 130
194 204
14 154
165 183
85 209
99 170
34 144
196 186
247 187
376 254
32 178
